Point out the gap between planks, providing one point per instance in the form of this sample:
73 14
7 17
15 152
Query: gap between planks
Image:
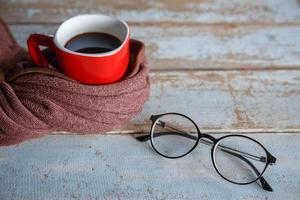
172 23
207 131
205 11
248 69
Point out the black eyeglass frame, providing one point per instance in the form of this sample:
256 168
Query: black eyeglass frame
269 161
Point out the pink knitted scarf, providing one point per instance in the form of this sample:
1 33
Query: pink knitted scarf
37 101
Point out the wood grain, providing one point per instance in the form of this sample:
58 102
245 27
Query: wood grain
205 47
235 100
193 11
119 167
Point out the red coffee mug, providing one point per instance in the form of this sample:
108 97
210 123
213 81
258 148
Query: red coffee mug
100 68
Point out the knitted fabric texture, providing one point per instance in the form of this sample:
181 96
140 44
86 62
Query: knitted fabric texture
37 101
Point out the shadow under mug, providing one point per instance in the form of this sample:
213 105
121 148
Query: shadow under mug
99 68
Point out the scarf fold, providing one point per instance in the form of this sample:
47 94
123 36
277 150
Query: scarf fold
37 101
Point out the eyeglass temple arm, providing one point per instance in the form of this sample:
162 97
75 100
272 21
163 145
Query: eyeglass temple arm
144 138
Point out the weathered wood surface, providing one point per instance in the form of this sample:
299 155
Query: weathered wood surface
200 53
201 47
119 167
193 11
228 100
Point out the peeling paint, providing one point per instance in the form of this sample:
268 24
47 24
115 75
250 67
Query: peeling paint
243 120
218 11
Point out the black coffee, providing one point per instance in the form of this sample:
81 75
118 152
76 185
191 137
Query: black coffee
93 43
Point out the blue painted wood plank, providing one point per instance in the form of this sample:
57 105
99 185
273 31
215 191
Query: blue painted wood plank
119 167
200 47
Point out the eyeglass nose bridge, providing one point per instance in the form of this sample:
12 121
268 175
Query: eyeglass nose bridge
211 138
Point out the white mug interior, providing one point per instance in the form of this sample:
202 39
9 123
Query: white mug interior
91 23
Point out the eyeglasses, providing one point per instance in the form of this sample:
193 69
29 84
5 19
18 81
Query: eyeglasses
236 158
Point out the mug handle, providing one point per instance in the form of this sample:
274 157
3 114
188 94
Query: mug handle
33 42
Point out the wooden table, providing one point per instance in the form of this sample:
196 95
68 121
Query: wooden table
233 66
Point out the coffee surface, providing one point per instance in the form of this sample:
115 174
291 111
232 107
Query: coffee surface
93 42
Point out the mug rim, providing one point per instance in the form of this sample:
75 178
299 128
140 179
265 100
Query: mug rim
109 53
